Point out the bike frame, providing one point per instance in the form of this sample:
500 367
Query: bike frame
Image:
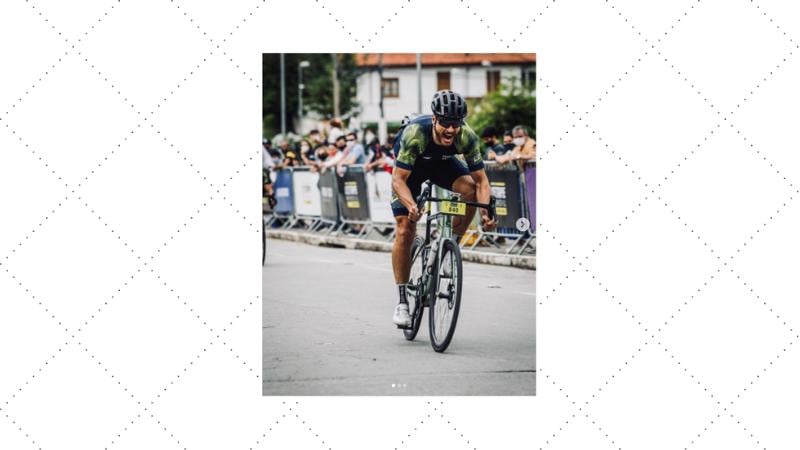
445 220
432 248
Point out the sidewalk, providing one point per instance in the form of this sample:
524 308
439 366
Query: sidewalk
485 255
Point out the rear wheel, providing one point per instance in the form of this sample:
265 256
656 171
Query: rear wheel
415 292
445 298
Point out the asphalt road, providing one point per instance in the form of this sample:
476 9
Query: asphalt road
327 329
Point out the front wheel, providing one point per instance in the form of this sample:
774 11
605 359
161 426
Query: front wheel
445 298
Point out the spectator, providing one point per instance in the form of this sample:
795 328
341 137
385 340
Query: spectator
315 138
524 147
382 157
306 154
290 160
493 148
335 131
369 135
321 152
274 153
266 159
334 154
284 146
354 151
508 140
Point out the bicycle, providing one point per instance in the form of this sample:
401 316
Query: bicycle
436 270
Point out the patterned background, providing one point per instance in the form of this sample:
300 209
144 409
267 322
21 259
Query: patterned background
129 277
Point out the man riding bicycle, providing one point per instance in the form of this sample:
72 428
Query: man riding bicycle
266 166
426 149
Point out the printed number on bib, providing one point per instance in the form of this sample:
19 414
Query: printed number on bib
453 208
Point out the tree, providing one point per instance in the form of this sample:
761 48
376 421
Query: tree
318 92
510 105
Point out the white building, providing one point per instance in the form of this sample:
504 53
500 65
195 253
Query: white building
470 74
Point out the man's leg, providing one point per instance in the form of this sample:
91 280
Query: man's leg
465 186
401 251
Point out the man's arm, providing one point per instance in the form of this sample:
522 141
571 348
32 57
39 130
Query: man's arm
528 151
346 161
483 192
379 162
408 147
332 160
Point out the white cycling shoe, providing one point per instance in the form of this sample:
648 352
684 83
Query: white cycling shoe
401 318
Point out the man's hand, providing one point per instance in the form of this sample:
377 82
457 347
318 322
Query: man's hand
486 223
414 214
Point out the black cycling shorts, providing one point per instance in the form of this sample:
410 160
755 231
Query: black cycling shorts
442 172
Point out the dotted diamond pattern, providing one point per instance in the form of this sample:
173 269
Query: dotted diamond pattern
129 284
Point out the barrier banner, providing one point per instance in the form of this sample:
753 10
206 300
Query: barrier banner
282 187
307 201
379 188
329 207
530 193
353 194
505 185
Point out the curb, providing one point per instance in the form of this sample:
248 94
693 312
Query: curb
522 262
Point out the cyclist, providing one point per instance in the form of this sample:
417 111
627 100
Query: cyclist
426 148
266 166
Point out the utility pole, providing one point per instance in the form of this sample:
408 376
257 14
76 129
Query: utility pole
283 98
300 88
335 76
419 83
382 132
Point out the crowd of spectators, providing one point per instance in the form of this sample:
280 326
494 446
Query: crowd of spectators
337 148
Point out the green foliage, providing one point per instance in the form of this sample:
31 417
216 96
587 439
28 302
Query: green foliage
318 92
510 105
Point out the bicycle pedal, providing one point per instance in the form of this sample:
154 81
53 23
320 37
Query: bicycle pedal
400 327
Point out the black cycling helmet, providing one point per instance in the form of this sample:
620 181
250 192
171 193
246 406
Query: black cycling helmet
449 105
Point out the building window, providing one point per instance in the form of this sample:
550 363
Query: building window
442 80
529 78
492 80
390 87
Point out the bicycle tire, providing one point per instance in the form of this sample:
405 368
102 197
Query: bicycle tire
416 307
443 312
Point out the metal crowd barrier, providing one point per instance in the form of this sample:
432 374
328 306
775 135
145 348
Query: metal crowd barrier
508 186
283 211
529 181
357 203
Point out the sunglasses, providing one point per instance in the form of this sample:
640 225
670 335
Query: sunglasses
449 123
351 140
